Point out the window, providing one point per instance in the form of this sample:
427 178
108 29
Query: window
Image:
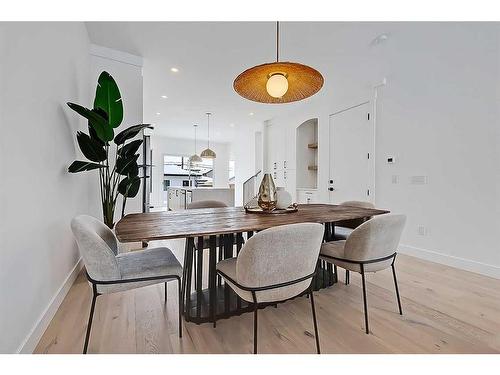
179 172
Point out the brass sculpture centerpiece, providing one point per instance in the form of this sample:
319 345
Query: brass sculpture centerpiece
267 193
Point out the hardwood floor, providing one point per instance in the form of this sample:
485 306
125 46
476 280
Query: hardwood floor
445 310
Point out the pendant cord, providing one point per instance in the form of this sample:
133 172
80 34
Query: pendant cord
208 120
277 40
195 139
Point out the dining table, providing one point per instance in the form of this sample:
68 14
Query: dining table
222 233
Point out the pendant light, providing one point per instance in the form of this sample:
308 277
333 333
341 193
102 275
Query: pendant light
278 82
208 153
195 158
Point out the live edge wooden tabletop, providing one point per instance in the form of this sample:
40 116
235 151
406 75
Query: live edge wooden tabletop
213 221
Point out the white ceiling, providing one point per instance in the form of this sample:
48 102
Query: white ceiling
209 55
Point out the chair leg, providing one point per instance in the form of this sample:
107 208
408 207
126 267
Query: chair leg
255 312
347 277
181 304
165 292
214 309
364 298
336 275
91 316
397 289
318 350
194 268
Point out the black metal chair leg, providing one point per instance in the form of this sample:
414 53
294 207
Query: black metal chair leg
364 298
181 303
165 292
336 275
347 277
318 350
256 309
194 268
91 316
397 289
214 310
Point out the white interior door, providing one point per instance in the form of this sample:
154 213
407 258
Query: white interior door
351 145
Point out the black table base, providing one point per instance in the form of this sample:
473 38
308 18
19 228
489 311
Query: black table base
219 299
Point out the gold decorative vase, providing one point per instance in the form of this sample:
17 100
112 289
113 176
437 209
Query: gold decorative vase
267 193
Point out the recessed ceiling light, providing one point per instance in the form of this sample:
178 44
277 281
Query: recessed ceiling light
251 114
175 70
164 96
158 113
231 125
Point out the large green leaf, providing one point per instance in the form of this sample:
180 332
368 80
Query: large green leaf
91 148
129 186
130 133
130 148
81 166
109 99
92 131
127 166
94 136
99 123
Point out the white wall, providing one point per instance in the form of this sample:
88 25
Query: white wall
176 146
243 153
126 69
43 65
438 115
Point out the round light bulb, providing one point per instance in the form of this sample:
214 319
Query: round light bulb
277 85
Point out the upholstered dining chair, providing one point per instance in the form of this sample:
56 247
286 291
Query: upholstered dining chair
208 203
274 265
371 247
345 227
109 272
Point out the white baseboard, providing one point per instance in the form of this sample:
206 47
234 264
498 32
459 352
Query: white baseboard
452 261
30 342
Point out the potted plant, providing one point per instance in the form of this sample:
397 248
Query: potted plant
117 164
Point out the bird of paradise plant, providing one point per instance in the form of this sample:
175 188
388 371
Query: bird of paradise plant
118 170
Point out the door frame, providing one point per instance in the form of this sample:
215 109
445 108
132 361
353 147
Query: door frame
372 151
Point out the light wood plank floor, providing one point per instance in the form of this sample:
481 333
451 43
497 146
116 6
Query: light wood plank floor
445 311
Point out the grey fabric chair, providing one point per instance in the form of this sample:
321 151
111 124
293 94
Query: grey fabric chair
274 265
208 203
109 272
371 247
344 228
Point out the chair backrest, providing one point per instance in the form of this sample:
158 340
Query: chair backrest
375 238
206 204
278 255
354 223
98 247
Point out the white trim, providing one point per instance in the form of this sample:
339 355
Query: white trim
452 261
31 341
115 55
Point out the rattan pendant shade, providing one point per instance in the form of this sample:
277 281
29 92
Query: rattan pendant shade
303 81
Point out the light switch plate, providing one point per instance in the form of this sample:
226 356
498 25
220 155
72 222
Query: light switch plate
418 180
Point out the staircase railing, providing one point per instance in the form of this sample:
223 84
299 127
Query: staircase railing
250 188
